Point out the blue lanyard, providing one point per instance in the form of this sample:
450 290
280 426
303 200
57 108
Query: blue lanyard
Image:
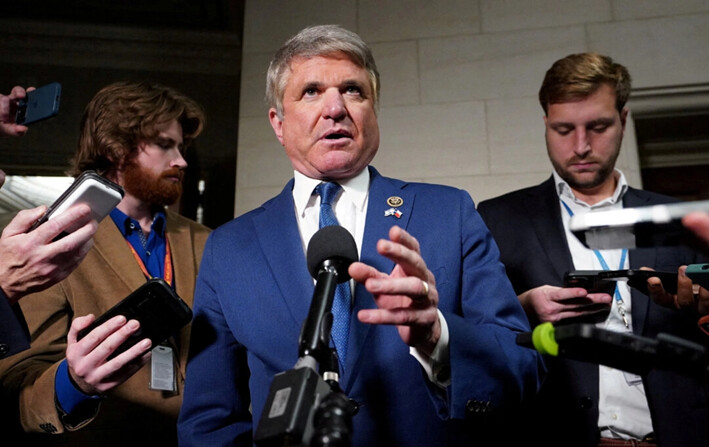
603 262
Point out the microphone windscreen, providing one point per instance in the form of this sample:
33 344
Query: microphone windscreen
332 243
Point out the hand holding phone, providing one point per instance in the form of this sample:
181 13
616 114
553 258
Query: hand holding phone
158 309
39 104
100 194
8 112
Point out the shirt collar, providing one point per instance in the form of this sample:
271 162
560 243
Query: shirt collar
355 190
126 224
564 190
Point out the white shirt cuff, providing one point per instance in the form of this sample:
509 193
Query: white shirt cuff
437 366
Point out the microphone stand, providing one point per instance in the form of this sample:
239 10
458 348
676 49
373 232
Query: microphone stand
301 404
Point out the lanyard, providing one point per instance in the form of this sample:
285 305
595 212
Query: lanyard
167 269
604 264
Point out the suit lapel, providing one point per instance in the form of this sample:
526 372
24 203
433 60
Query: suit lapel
543 210
110 244
183 261
278 236
377 227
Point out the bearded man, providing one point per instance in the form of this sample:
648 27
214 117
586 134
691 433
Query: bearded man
134 134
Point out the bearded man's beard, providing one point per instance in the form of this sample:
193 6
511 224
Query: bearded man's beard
156 189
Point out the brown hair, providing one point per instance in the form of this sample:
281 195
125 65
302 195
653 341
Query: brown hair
579 75
315 41
125 113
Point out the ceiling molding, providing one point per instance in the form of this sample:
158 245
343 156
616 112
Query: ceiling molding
98 46
669 100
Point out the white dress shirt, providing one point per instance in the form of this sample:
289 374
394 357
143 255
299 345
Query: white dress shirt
622 405
350 208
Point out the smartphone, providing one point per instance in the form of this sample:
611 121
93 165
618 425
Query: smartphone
39 104
699 274
637 279
101 194
603 281
589 280
156 306
649 226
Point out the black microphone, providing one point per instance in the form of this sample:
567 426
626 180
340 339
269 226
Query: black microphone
330 252
625 351
295 395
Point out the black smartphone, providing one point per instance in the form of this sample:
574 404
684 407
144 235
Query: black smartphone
589 280
637 279
648 226
39 104
101 194
158 309
603 281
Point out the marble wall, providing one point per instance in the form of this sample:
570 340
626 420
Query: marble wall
460 79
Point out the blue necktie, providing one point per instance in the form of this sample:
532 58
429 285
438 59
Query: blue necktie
341 304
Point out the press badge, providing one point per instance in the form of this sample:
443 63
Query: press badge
162 369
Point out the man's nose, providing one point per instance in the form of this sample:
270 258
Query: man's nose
583 143
334 105
178 161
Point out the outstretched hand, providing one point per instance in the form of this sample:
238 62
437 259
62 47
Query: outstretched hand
406 297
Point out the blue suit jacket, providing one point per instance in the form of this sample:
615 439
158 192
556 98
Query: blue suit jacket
528 229
254 291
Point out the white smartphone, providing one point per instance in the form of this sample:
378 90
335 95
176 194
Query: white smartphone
647 226
100 194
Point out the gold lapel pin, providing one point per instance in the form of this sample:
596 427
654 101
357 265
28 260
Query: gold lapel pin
395 201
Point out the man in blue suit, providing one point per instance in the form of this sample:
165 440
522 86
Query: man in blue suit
583 404
433 320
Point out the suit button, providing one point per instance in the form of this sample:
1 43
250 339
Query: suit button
48 427
476 406
4 349
444 374
585 403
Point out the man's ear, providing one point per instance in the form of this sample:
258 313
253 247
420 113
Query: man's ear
623 116
276 123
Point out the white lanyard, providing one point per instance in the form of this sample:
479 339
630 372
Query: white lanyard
604 264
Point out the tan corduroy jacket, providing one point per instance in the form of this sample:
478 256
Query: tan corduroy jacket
107 275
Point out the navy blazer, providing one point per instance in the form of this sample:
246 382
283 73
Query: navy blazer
254 291
14 335
529 231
